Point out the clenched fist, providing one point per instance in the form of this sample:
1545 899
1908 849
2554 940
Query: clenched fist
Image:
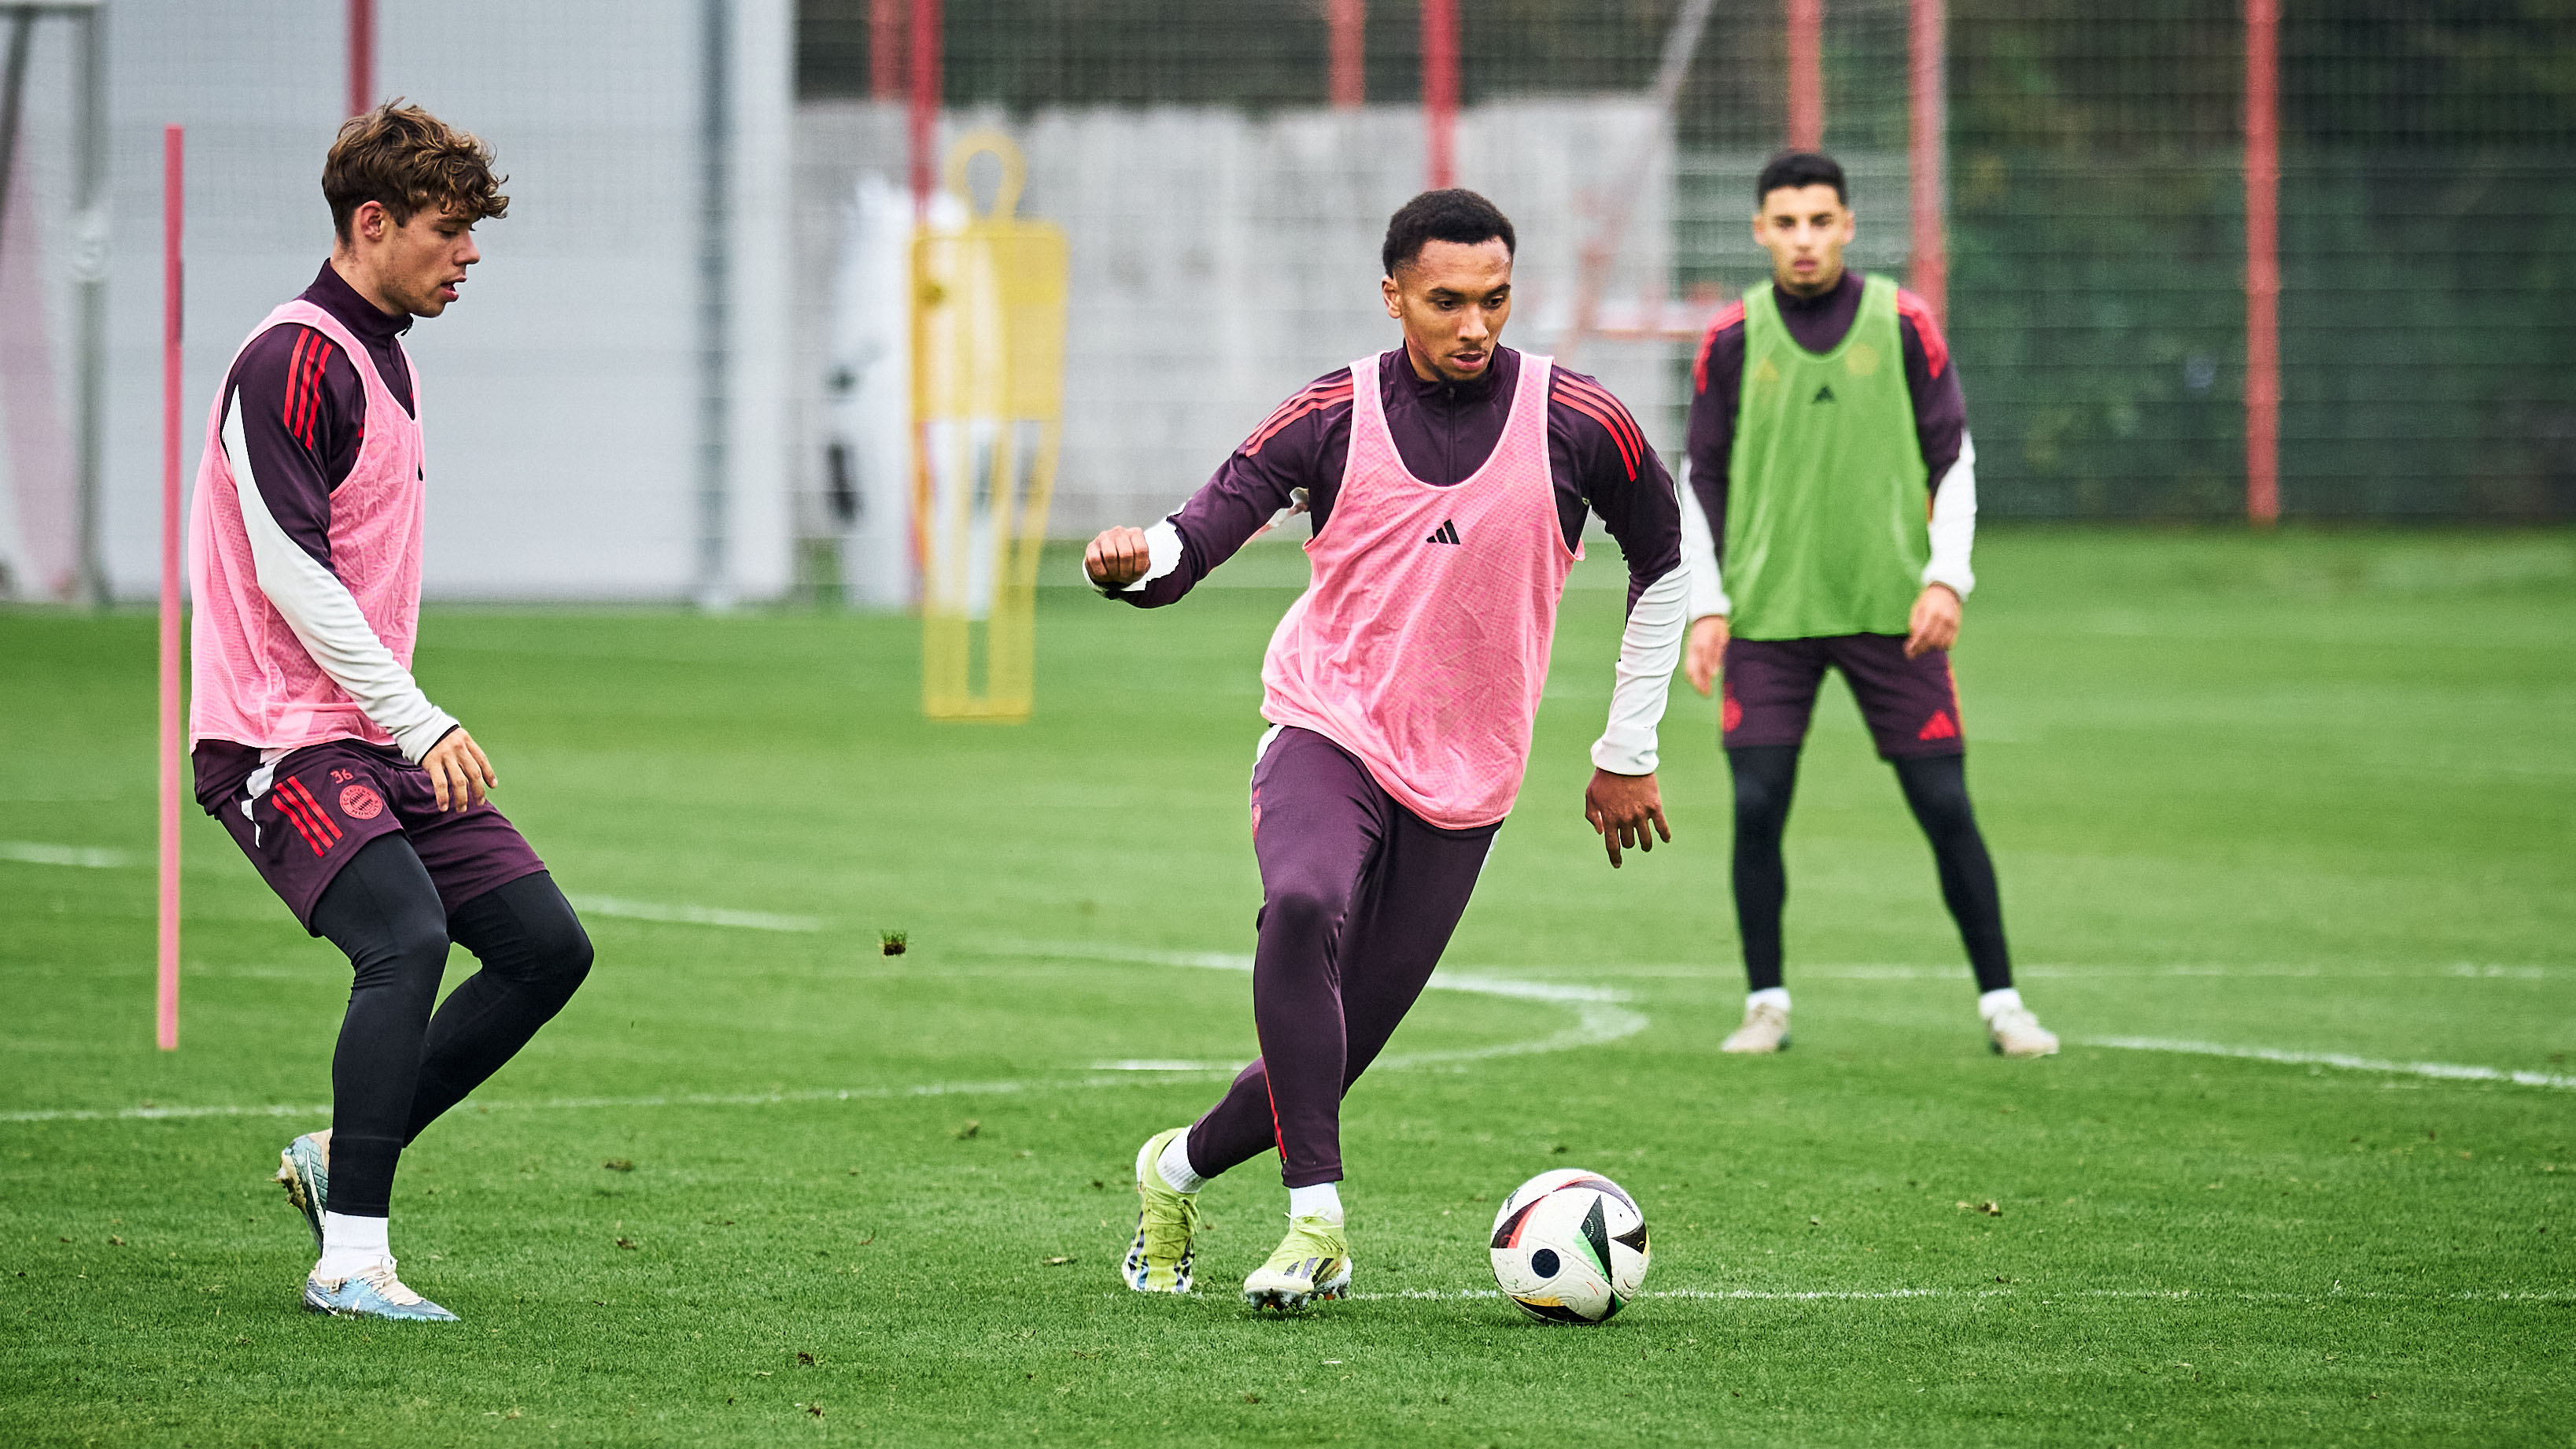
1117 558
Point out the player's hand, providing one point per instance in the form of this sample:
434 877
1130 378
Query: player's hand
1935 622
1621 807
1706 652
1117 558
458 771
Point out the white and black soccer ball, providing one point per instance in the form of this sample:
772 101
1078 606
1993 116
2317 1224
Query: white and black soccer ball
1570 1246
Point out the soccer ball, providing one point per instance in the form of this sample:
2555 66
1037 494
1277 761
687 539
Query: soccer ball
1570 1246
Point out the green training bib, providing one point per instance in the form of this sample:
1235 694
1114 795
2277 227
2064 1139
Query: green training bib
1827 523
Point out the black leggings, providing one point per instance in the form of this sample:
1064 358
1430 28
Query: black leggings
398 1066
1936 788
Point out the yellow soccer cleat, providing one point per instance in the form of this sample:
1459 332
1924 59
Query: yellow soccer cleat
1167 1225
1313 1262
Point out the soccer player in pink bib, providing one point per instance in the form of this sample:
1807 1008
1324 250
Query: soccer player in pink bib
1447 482
360 802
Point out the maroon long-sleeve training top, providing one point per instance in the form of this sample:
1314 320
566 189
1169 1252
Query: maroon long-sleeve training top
1597 456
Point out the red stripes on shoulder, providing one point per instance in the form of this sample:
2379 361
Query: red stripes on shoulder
1595 402
1936 348
1317 396
1731 315
313 353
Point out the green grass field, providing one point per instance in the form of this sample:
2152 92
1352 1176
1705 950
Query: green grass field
2311 795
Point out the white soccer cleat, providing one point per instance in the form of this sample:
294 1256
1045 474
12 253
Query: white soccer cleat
1766 1029
2014 1032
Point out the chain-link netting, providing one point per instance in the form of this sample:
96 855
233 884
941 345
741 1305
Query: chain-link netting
2096 298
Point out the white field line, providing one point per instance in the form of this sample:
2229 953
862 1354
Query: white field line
692 915
1598 1015
2445 1071
562 1104
31 852
2465 970
1598 1019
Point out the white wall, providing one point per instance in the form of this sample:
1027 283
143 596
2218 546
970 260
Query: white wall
1222 260
561 393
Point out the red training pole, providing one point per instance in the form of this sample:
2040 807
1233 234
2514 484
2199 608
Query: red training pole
1349 22
1928 159
1440 88
1806 75
885 50
2263 262
362 56
173 213
925 105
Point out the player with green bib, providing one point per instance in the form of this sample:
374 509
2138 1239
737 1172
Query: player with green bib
1832 472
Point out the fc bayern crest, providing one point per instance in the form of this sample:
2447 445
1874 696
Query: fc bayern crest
360 803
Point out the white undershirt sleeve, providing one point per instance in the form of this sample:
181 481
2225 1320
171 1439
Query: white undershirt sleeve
319 608
1699 555
1648 653
1954 523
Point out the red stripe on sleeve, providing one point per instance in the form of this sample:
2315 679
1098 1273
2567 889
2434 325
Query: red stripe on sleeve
1313 399
1623 422
294 368
1936 348
300 385
1732 315
1590 410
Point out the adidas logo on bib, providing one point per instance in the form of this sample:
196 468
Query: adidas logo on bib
1447 532
1823 394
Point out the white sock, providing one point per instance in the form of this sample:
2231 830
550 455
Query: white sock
1323 1200
1175 1167
351 1245
1768 996
1994 1003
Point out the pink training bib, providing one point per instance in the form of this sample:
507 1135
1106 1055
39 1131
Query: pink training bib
254 684
1421 643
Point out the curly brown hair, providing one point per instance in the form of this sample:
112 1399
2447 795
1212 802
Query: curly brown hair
410 161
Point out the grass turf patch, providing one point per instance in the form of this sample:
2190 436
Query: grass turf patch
2308 793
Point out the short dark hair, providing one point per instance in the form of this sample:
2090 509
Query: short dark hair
409 161
1454 215
1801 168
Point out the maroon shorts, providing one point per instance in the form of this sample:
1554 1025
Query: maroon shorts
1911 705
325 801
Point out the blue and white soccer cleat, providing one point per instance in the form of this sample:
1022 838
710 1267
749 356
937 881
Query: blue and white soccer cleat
304 1169
373 1293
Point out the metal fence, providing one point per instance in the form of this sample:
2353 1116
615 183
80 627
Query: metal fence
2097 284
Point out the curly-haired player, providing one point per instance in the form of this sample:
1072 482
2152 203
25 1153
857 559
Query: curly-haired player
362 803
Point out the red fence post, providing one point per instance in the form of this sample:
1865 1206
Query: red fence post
925 105
1927 164
173 213
1806 75
1349 22
1440 88
885 50
2263 261
362 56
